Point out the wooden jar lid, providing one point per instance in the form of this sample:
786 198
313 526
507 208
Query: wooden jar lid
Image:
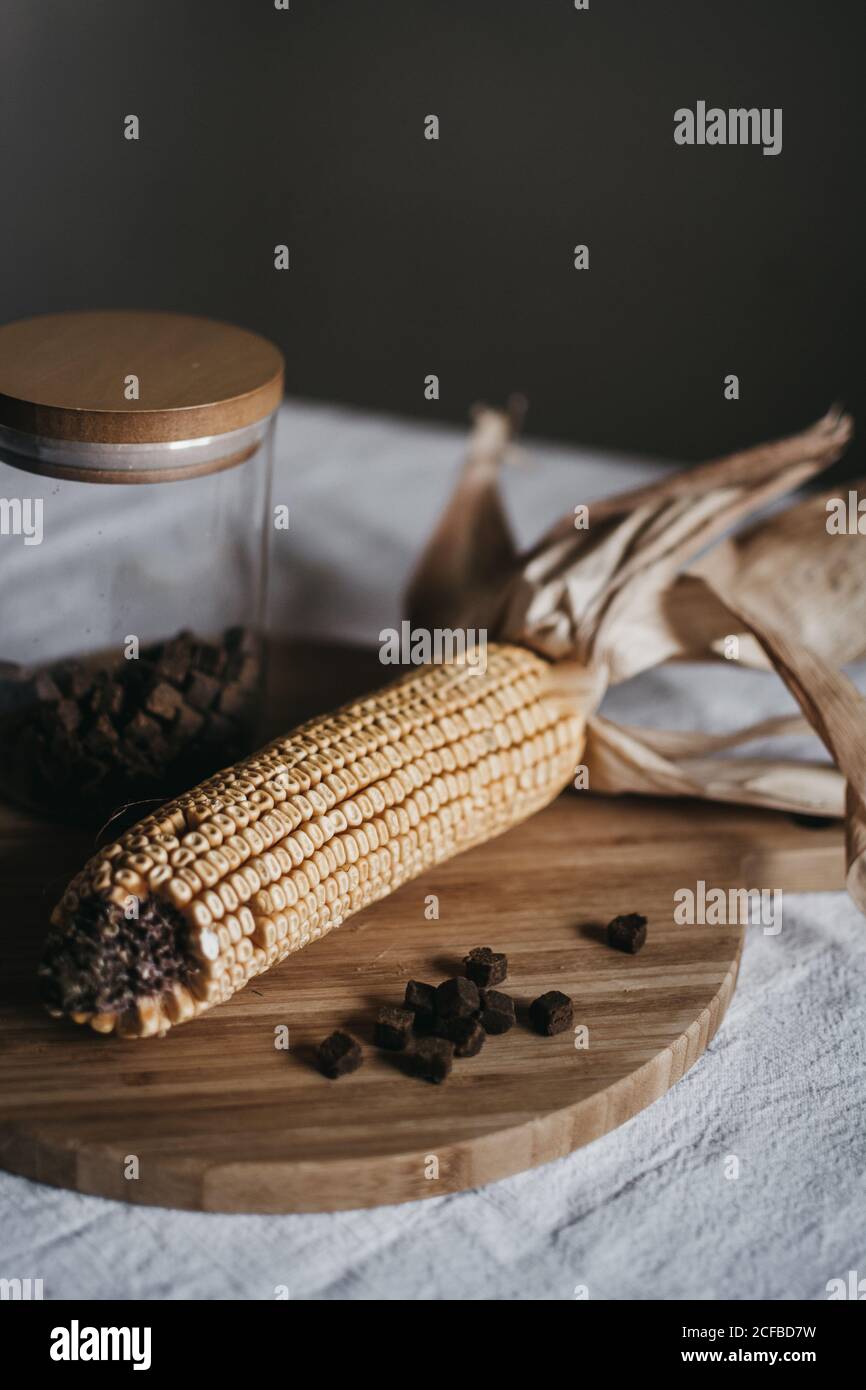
64 377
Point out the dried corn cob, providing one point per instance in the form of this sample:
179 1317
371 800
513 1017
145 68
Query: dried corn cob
281 848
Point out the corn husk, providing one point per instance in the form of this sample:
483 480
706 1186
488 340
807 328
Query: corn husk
672 571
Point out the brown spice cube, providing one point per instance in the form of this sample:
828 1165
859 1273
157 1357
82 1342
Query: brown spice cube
433 1059
47 689
466 1034
174 659
202 690
101 737
627 933
68 716
143 729
80 682
338 1055
394 1028
164 701
421 999
233 701
173 666
188 725
457 998
107 698
486 967
551 1013
497 1011
208 658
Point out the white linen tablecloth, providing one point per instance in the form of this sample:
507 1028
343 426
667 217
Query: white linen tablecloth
645 1213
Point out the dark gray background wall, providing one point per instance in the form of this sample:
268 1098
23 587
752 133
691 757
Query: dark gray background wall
408 257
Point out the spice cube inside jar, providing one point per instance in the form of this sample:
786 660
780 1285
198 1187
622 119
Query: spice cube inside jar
135 458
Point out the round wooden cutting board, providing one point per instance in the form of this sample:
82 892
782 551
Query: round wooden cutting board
221 1119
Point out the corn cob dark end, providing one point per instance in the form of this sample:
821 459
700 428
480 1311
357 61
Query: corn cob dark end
106 962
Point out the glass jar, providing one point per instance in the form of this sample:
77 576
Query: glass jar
135 472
